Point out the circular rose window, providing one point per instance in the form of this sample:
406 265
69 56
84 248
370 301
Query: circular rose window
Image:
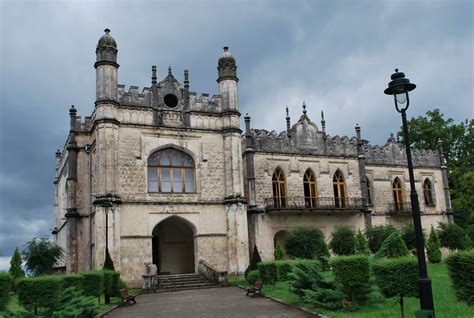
171 100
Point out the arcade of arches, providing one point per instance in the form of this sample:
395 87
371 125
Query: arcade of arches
173 246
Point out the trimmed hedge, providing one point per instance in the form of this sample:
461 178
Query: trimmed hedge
451 236
353 274
461 271
111 279
43 291
343 241
5 286
397 276
93 283
268 272
72 280
253 276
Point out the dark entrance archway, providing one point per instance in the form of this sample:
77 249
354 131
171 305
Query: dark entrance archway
173 246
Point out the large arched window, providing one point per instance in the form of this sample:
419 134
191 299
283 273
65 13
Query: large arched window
369 192
170 170
339 186
428 192
397 188
310 190
279 189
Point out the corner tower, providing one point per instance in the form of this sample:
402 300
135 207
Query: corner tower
106 68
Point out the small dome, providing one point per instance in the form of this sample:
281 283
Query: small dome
107 41
226 56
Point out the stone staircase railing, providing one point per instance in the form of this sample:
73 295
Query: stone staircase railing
212 274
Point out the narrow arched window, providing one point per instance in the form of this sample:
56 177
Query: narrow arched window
369 192
310 190
170 170
428 192
279 189
397 189
339 186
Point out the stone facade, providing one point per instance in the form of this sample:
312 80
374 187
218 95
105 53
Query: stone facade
105 182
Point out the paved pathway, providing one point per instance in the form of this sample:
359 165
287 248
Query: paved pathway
206 303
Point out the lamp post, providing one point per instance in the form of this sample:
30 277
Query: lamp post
399 87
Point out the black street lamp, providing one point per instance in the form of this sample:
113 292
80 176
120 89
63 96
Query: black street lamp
399 87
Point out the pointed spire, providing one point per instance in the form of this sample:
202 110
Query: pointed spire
323 123
169 70
287 120
304 108
153 75
186 78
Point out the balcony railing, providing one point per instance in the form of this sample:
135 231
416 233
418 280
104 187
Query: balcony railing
400 208
306 203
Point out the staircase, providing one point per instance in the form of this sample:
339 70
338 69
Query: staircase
183 282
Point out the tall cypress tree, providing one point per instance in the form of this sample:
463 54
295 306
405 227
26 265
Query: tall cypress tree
16 270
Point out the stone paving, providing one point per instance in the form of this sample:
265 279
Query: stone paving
206 303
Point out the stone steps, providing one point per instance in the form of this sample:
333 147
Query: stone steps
183 282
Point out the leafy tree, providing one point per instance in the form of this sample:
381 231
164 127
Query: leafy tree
433 247
361 243
377 234
343 241
16 270
392 247
458 146
306 242
40 255
408 236
279 254
451 236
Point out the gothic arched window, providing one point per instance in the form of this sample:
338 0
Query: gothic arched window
279 189
339 186
428 192
310 190
369 192
397 189
170 170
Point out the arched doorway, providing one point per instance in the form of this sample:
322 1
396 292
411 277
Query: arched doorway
280 238
173 246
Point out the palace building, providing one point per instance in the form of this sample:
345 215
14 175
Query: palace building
166 176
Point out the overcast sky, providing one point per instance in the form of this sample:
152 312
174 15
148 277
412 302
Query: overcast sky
337 56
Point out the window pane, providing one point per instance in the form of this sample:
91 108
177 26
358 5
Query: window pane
177 180
165 180
189 180
306 190
152 180
164 159
187 161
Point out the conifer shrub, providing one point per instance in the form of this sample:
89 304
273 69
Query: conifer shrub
268 272
16 270
254 260
361 246
72 280
93 283
353 274
303 276
376 235
278 254
433 247
343 241
451 236
306 242
253 276
42 291
408 236
397 277
73 304
5 286
392 247
461 271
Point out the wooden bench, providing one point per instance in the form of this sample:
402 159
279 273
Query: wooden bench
256 289
126 298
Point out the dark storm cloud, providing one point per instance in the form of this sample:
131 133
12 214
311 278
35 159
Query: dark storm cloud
337 56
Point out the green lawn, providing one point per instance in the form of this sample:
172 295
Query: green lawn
446 304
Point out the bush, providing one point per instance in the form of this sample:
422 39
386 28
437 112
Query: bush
461 271
5 286
74 304
306 242
253 276
254 260
279 254
392 247
343 241
303 276
353 274
433 247
451 236
397 277
121 284
285 267
44 291
361 243
377 234
268 272
408 236
93 283
72 280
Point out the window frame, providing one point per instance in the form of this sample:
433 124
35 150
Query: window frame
339 187
428 193
398 194
279 186
310 185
